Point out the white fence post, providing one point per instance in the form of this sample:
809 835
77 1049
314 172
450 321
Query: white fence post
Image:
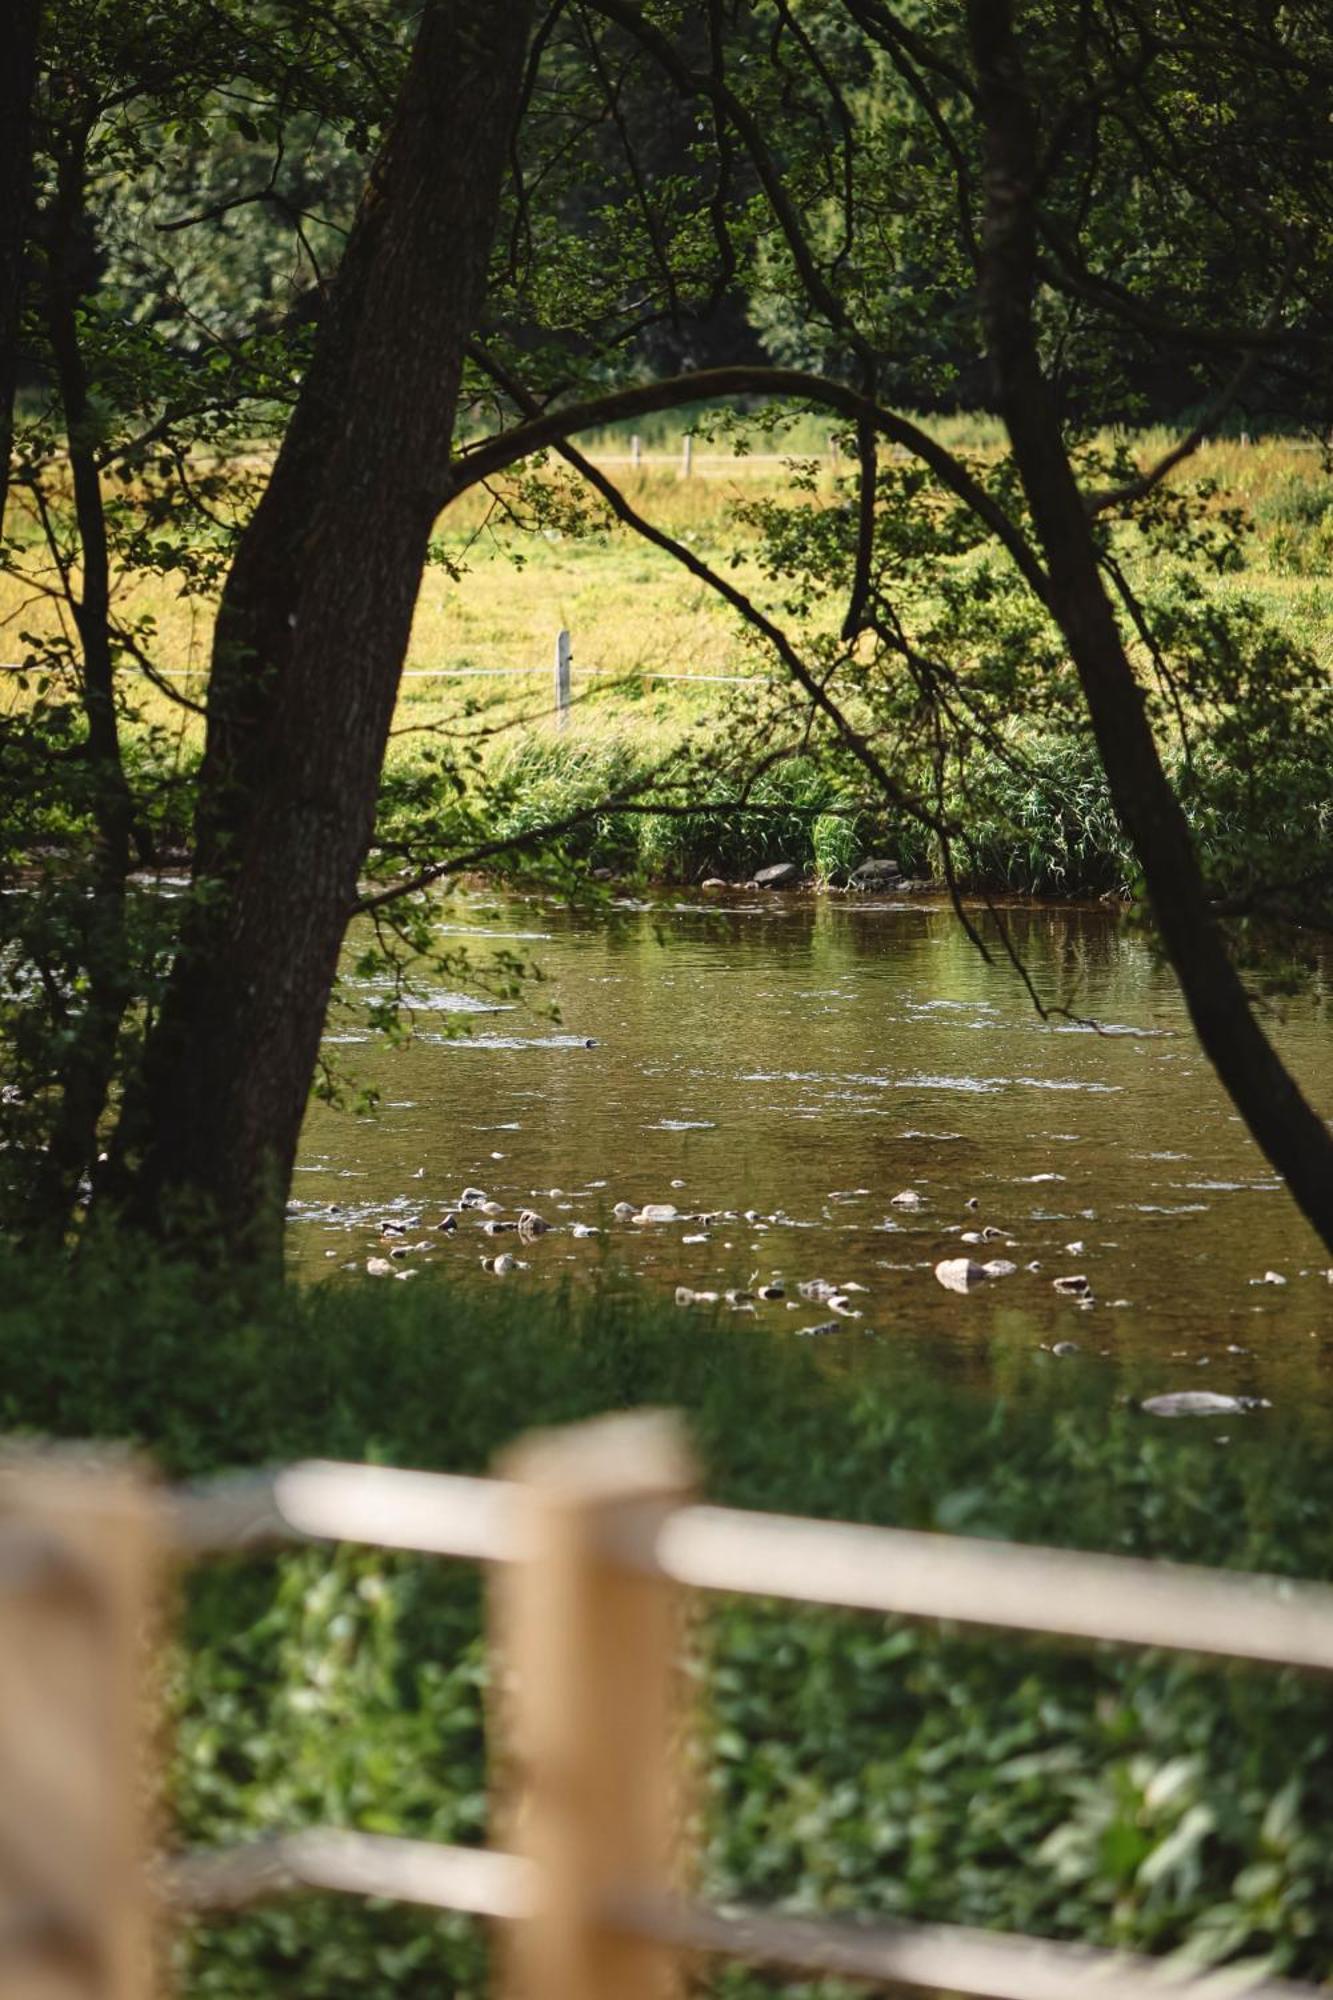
636 451
687 455
592 1747
563 656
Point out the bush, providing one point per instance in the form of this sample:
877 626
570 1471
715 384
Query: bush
852 1763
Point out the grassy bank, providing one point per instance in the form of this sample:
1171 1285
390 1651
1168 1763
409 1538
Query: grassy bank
849 1763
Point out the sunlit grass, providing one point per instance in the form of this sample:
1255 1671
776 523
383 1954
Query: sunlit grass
492 603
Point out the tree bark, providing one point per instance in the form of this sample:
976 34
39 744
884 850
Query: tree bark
1295 1139
18 78
310 641
88 1066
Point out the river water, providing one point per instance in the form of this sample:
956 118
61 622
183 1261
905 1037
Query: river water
786 1066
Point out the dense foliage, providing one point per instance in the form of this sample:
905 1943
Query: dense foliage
851 1764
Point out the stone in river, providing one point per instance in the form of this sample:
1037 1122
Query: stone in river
909 1198
378 1267
1194 1403
531 1224
881 874
780 875
960 1274
714 882
1074 1287
624 1211
658 1211
999 1267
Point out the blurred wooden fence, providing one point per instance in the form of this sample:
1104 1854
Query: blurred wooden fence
593 1534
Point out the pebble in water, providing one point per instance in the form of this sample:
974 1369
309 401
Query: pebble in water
378 1267
1199 1403
658 1211
472 1197
908 1198
770 1292
448 1223
1074 1287
624 1211
960 1274
530 1224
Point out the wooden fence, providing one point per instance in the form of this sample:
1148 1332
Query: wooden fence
593 1534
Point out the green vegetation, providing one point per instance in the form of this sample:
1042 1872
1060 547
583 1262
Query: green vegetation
850 1764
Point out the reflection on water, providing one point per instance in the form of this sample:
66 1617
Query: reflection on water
786 1067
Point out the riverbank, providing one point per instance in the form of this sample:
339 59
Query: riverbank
1036 818
849 1762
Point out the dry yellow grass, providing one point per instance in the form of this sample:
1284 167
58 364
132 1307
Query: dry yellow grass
497 600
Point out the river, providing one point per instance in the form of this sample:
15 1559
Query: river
788 1065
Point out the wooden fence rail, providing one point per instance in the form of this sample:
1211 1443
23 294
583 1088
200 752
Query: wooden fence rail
594 1535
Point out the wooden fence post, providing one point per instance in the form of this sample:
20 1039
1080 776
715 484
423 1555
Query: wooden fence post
563 655
636 451
593 1754
687 455
79 1580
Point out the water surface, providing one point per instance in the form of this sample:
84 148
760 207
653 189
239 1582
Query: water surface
806 1060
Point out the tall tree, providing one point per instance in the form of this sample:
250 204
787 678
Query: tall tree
311 634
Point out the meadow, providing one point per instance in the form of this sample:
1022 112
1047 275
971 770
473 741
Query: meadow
660 662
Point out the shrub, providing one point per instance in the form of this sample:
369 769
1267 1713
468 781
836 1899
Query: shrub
851 1763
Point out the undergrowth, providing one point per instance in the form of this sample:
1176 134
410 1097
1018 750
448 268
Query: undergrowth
848 1763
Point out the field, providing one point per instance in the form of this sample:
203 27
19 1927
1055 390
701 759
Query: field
655 652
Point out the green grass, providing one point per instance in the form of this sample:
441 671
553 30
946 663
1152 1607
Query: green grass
848 1763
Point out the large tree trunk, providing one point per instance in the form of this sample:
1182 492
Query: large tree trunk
18 78
1292 1135
309 647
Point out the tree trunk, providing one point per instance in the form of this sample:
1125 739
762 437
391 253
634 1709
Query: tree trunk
1291 1134
18 77
310 641
88 1065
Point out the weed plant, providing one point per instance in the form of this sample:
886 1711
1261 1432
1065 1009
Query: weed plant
848 1763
